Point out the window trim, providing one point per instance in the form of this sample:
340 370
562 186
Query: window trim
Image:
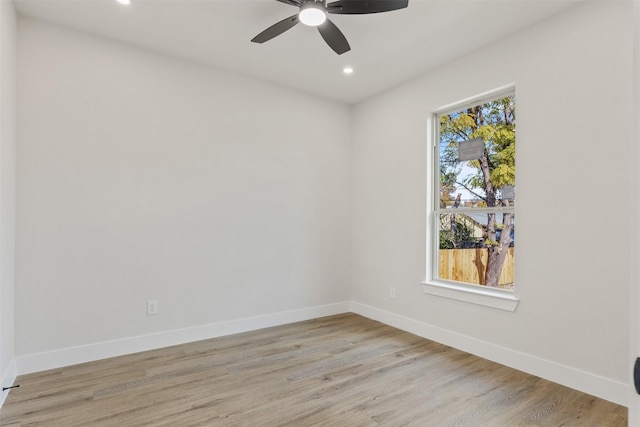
474 294
494 298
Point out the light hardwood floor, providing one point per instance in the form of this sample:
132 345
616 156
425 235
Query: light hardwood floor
341 370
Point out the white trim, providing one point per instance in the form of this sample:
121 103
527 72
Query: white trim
495 298
506 90
102 350
605 388
8 379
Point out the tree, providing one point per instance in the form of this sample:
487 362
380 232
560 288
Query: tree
455 232
494 122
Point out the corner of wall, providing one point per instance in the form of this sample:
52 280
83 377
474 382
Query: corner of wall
7 379
8 41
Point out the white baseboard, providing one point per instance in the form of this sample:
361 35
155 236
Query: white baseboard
595 385
7 379
605 388
102 350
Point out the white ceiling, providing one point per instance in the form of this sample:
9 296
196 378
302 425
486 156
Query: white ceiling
386 48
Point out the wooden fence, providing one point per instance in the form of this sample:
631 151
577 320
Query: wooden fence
469 265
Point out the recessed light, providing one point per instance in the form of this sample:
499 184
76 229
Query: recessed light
124 1
347 70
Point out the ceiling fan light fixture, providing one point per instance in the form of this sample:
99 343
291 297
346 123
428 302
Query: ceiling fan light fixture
312 14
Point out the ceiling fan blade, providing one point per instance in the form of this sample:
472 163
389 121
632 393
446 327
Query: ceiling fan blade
349 7
276 29
291 2
334 37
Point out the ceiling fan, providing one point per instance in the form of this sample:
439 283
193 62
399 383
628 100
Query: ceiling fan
314 13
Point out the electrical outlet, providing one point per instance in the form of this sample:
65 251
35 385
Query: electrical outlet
392 292
152 307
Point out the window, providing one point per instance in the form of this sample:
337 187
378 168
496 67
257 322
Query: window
473 218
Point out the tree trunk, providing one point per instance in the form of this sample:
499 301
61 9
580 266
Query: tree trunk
497 250
498 253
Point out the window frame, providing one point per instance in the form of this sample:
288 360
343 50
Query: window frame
475 294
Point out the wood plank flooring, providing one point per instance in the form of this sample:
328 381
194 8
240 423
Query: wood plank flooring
341 370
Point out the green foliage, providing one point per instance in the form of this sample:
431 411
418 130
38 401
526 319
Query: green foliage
456 233
494 122
490 243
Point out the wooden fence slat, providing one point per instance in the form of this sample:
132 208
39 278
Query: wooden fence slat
468 266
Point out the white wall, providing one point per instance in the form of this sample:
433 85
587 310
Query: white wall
141 176
573 86
7 190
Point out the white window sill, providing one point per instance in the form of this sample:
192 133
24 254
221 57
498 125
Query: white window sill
488 297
